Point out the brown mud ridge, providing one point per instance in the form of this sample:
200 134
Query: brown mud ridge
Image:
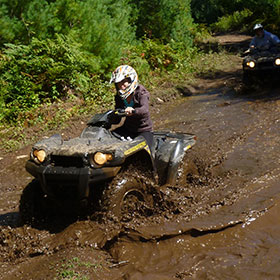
220 221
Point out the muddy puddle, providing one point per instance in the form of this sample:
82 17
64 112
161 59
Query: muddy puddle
220 221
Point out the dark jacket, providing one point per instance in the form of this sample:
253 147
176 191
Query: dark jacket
268 40
140 121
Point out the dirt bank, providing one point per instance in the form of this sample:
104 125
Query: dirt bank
221 221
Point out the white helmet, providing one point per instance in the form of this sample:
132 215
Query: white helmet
121 73
258 26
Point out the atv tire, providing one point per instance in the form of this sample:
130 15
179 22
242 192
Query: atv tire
32 203
247 78
129 194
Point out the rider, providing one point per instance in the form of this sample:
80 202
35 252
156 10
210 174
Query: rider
134 99
263 39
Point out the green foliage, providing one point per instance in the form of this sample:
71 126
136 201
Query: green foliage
43 71
52 49
159 56
239 20
12 138
101 27
76 269
237 14
104 29
205 11
165 20
10 27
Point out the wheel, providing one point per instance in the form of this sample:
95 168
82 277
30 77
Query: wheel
247 78
129 194
252 80
32 203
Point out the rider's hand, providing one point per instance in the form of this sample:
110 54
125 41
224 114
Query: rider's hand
129 111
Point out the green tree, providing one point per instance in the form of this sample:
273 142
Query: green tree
237 14
166 20
101 27
11 27
205 11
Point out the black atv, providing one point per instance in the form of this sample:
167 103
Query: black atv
100 168
261 65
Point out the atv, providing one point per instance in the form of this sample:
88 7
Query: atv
261 65
100 170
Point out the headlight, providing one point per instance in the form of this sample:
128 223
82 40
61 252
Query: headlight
39 155
251 64
100 158
277 61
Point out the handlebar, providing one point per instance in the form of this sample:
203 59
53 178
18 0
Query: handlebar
120 112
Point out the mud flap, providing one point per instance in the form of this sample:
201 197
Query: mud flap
175 159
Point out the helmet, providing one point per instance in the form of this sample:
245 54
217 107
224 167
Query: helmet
121 73
257 26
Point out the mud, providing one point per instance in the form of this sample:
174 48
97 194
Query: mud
219 221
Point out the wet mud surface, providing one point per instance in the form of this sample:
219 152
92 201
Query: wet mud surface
219 221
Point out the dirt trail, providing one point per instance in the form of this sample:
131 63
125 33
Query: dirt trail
221 221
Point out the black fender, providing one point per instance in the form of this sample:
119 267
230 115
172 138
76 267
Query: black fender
174 161
145 157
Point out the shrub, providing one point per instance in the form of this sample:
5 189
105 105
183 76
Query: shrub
44 71
166 20
159 56
239 20
101 27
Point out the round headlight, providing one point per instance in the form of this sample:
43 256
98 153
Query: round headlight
40 155
251 64
277 61
101 158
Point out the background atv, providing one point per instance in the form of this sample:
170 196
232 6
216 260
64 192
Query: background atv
261 65
99 168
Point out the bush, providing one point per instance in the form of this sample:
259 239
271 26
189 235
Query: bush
239 20
158 56
44 71
165 20
226 15
101 27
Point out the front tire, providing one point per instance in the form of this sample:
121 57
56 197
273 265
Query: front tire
129 194
247 78
32 203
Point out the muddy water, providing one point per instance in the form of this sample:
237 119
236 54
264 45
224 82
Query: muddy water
219 222
234 234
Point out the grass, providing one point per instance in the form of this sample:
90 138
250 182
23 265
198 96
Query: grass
75 269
